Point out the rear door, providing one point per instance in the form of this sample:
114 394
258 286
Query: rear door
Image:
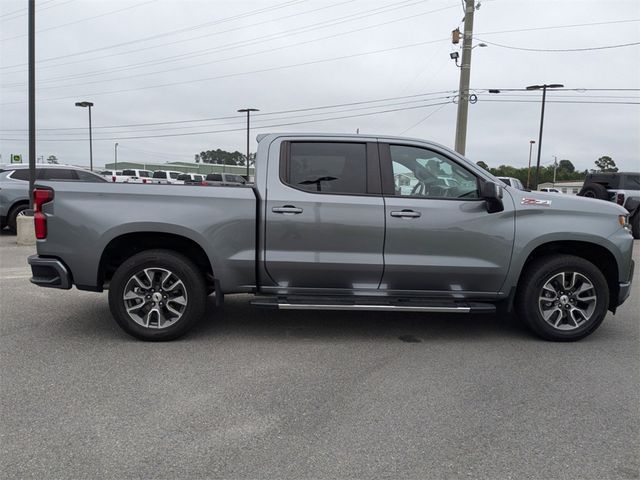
324 213
439 236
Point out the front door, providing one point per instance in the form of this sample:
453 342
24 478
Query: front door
440 238
324 217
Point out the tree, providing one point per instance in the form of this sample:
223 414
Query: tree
52 159
481 164
606 164
566 165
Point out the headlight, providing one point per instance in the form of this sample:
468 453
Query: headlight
623 220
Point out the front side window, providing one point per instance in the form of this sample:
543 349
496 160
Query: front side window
418 172
328 167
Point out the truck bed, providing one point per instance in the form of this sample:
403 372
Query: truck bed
86 217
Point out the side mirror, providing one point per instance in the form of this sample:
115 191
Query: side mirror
492 193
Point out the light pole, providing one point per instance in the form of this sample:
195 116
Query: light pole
88 104
115 152
248 110
531 142
544 98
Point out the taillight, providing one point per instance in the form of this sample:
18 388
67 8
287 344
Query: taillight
620 198
144 180
113 179
204 184
40 197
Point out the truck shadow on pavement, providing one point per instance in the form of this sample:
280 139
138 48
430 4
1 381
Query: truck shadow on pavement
238 318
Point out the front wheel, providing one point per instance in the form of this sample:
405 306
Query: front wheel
157 295
562 297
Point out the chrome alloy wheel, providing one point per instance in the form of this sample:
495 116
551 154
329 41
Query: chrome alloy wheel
155 298
567 300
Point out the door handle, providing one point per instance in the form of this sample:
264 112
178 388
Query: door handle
406 214
287 210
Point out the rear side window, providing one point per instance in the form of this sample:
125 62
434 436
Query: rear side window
57 174
327 167
214 177
631 182
22 174
159 174
88 177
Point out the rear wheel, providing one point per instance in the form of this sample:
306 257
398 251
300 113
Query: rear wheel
157 295
562 297
12 218
594 190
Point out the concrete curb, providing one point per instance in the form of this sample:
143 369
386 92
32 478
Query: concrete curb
26 230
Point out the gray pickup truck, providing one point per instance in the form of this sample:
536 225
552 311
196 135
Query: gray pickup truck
338 222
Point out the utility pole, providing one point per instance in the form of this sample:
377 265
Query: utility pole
115 154
32 97
465 75
555 167
531 142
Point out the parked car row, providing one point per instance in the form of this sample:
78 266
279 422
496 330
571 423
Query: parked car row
171 177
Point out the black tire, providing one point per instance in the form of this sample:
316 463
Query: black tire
635 224
193 288
594 190
530 290
12 218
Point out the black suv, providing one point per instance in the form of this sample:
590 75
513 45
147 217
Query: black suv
622 188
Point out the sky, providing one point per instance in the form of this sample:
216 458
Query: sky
176 72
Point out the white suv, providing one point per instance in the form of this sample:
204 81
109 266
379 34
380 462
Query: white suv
166 176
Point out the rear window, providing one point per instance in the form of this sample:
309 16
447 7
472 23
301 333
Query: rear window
145 173
129 173
328 167
159 174
174 175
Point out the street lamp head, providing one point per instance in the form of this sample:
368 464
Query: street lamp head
540 87
555 85
84 104
532 142
482 45
248 110
534 87
454 55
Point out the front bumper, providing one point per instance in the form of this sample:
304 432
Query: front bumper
49 272
625 288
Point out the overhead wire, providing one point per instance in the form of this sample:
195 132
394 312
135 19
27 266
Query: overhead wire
112 12
584 49
260 52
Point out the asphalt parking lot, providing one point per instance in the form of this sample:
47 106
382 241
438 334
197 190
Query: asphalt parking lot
289 395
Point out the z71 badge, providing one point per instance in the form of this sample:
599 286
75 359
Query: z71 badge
535 201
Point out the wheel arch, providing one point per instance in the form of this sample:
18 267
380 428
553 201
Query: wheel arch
600 256
128 244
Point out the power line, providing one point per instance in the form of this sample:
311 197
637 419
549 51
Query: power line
260 127
173 32
238 44
605 47
83 19
564 101
423 120
25 10
553 27
260 52
237 74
